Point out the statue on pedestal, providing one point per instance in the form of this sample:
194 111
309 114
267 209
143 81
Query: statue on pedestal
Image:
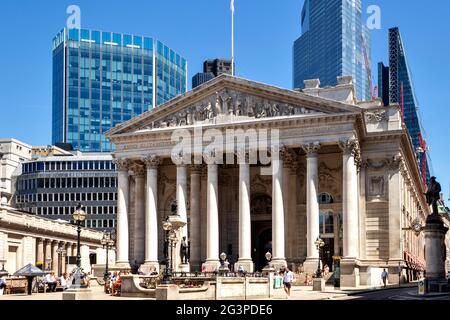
184 251
433 194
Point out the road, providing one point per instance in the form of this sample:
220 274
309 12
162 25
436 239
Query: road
394 294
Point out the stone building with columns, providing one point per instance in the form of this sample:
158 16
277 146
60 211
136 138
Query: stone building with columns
25 239
339 169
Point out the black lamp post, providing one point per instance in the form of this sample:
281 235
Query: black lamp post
79 216
319 245
107 242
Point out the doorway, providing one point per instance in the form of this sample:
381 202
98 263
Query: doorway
262 243
327 252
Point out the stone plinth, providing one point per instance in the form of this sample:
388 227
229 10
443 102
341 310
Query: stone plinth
349 273
318 284
435 254
167 292
77 294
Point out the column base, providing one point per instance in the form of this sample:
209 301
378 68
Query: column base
310 265
122 265
278 263
247 264
211 266
149 266
349 273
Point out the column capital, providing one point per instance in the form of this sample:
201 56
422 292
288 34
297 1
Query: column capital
351 147
290 159
122 164
181 158
138 169
152 161
311 148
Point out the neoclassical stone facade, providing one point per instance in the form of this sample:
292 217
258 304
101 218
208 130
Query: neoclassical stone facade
25 239
339 169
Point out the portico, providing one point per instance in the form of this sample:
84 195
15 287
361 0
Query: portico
252 169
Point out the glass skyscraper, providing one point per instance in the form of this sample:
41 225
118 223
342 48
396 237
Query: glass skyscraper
101 79
397 81
333 43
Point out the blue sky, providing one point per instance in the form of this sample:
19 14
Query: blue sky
200 29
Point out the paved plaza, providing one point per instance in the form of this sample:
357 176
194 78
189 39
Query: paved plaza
299 293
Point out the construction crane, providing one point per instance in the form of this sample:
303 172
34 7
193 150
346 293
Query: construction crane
373 93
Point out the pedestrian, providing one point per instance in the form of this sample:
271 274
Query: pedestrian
2 285
384 276
288 278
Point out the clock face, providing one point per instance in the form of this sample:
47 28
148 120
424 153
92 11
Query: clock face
417 227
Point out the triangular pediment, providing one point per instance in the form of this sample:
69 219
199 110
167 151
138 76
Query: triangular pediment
230 99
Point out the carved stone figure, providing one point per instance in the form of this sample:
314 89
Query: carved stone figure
433 194
184 251
210 111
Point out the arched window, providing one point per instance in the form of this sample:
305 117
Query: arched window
325 198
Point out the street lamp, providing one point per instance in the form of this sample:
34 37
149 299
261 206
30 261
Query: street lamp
223 270
61 251
107 242
319 245
78 216
167 277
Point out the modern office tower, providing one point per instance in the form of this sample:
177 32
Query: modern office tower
211 69
201 78
53 186
334 42
12 153
399 82
101 79
383 83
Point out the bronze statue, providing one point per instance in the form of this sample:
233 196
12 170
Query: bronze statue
184 251
433 194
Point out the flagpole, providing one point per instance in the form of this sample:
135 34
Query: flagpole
232 38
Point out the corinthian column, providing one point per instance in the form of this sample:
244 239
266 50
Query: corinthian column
350 163
245 230
212 217
139 207
351 159
151 213
312 205
195 229
278 242
122 260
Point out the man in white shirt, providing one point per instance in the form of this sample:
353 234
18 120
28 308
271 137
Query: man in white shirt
50 280
288 277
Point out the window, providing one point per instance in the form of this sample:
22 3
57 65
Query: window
326 222
325 198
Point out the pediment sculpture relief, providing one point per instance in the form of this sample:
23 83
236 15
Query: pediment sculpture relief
228 103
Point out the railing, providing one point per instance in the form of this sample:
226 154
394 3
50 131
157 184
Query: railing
194 279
